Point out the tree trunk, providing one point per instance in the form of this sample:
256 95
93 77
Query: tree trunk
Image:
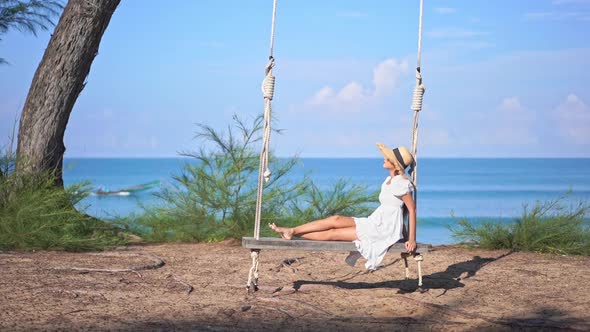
58 81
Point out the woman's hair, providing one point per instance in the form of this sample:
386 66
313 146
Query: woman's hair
405 212
402 171
399 168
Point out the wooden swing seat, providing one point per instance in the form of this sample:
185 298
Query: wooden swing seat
273 243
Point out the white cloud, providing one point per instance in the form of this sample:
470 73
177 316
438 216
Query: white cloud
573 116
352 92
445 10
350 98
354 97
454 33
387 74
323 96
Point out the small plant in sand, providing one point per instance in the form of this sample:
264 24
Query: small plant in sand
550 227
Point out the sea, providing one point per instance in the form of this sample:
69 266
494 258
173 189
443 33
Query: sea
498 189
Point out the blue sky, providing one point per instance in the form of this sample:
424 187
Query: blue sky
503 78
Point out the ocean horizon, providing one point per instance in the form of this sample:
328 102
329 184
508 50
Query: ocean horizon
449 189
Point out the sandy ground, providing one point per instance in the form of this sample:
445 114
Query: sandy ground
463 290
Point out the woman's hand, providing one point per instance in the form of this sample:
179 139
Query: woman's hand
410 246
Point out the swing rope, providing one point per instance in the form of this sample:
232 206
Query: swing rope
417 100
268 87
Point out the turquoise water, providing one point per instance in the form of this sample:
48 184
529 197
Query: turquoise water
478 189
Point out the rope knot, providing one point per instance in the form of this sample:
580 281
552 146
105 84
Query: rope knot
267 174
268 84
419 90
268 87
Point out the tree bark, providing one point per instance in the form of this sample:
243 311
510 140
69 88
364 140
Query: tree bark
58 81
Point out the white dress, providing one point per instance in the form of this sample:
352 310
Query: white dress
384 226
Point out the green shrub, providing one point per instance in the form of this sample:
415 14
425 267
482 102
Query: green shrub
548 227
35 214
215 195
343 198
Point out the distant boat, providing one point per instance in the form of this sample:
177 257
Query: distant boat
126 191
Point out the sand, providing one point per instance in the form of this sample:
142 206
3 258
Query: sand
201 287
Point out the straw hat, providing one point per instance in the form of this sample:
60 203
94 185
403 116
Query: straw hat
399 155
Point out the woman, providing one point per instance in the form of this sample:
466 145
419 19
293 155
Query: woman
374 234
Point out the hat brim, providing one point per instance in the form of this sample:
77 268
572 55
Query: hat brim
387 152
390 155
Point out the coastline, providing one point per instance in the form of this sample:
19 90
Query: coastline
464 289
470 188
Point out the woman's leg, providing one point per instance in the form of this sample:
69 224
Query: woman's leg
334 234
333 222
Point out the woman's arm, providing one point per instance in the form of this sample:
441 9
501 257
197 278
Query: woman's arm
411 206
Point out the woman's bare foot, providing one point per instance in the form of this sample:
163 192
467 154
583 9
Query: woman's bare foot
286 233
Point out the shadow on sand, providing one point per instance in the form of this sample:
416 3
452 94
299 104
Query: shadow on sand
448 279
